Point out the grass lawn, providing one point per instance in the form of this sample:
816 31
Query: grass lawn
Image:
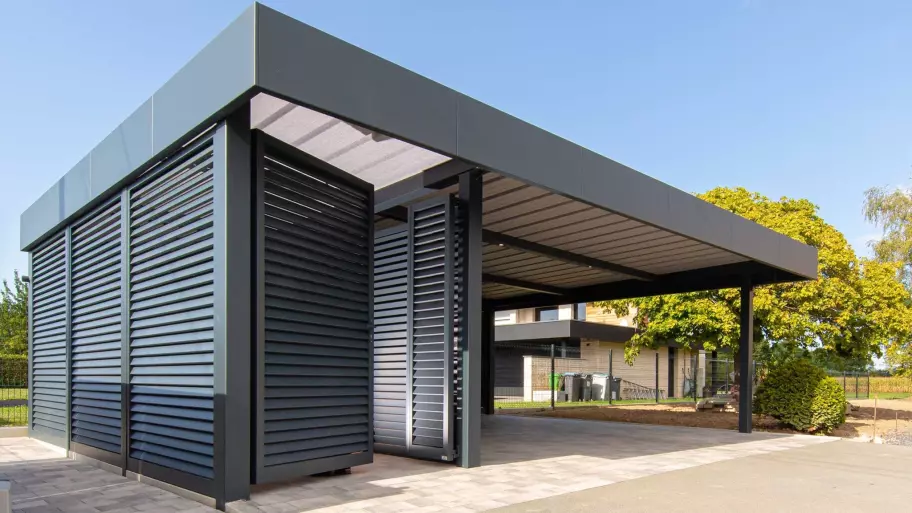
512 405
891 395
13 415
13 393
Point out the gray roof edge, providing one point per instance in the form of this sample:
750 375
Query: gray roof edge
381 95
262 49
213 79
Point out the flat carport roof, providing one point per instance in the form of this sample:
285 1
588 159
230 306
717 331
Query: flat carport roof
561 223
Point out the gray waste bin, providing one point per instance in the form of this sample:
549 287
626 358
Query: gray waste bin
573 385
586 388
616 389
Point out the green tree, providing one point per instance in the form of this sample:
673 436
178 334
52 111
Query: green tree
14 316
855 308
891 210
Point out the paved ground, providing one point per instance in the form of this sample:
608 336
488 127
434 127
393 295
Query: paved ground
43 481
844 476
524 459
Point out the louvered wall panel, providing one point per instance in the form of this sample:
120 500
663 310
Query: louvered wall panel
96 329
316 250
391 394
431 378
171 315
49 339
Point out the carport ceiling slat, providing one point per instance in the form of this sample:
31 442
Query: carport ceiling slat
369 155
568 223
533 214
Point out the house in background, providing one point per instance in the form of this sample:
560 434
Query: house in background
588 340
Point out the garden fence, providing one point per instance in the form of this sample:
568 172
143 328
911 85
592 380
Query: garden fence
552 376
13 391
857 385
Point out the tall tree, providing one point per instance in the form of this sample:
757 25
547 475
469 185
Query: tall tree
855 308
891 210
14 316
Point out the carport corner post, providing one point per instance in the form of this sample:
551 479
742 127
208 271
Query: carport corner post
746 359
470 192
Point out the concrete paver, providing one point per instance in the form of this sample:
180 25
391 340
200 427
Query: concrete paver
845 476
524 459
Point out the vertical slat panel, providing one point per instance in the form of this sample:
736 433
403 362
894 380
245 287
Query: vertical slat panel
171 314
316 251
96 329
391 393
48 371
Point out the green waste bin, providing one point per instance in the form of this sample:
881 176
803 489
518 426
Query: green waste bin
556 381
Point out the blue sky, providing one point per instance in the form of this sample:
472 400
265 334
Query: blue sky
805 99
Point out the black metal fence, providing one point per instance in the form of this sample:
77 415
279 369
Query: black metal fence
856 384
13 391
552 376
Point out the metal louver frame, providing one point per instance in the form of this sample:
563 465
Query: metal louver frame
391 340
49 354
432 309
417 319
171 271
96 334
314 268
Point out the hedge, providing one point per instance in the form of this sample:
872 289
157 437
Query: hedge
801 395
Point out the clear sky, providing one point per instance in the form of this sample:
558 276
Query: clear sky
805 99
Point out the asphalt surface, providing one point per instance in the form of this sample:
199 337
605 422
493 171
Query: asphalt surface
841 476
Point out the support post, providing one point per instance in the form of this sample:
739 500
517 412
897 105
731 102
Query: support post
746 356
551 377
695 363
233 213
610 375
856 384
68 258
657 376
488 378
124 329
470 193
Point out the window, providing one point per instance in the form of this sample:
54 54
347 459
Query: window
579 311
551 313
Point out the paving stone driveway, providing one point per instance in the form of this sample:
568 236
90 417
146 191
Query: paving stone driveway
43 481
523 459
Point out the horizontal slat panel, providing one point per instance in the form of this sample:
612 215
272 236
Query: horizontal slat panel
172 317
316 300
48 327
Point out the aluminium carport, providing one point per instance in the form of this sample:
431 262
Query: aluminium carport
290 255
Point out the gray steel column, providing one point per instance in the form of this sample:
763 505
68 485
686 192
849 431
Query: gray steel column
29 373
68 258
232 207
746 359
470 192
124 329
487 342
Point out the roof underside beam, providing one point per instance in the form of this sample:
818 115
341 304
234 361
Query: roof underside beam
525 285
719 277
492 237
419 185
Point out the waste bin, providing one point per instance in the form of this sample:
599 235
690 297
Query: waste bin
599 387
616 389
573 386
586 387
555 381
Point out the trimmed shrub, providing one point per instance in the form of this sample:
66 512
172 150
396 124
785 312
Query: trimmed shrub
801 395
